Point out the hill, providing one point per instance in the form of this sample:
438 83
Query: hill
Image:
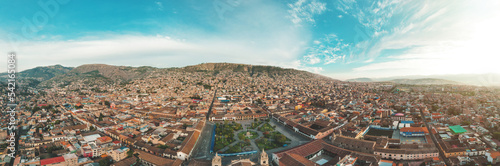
32 77
488 79
360 80
98 74
245 68
424 81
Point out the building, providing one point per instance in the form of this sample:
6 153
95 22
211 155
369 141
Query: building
319 152
413 131
457 129
217 160
119 154
148 159
353 144
263 160
55 161
65 160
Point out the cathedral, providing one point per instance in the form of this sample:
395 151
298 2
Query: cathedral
263 161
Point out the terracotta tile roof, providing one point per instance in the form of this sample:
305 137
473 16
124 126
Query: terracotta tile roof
191 141
414 129
52 160
305 149
495 154
156 160
295 160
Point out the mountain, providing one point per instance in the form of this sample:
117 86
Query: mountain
489 79
360 80
98 74
424 81
32 77
250 69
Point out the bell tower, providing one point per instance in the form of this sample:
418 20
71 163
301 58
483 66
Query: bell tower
264 158
216 161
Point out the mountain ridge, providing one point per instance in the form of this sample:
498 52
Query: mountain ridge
109 74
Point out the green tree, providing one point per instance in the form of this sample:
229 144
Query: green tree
105 162
241 136
100 117
496 135
130 153
280 138
107 103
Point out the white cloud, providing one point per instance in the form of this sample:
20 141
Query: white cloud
329 48
432 37
312 59
268 39
145 50
160 5
303 11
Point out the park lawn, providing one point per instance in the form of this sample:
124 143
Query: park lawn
221 142
256 124
266 145
243 133
266 127
224 134
238 147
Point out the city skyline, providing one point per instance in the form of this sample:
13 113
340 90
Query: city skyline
339 39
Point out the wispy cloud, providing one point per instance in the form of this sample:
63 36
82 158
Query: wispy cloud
304 11
268 39
159 4
329 49
432 37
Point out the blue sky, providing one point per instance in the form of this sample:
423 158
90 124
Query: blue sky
341 39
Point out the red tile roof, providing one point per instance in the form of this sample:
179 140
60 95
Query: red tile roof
52 160
414 129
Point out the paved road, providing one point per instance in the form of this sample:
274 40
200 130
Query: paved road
202 148
441 153
211 105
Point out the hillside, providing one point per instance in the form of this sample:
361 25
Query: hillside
487 79
360 80
98 74
32 77
232 67
424 81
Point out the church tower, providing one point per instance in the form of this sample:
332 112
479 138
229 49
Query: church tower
216 161
334 135
264 158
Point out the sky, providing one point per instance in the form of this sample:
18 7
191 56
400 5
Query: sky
342 39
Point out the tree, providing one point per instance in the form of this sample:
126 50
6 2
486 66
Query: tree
107 103
130 153
241 136
100 117
280 138
496 135
163 146
105 162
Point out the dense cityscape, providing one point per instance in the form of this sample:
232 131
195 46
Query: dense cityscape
250 83
232 114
